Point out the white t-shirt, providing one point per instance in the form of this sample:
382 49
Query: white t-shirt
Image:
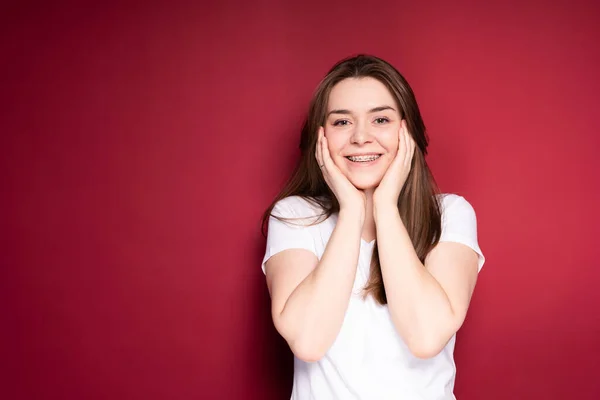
368 359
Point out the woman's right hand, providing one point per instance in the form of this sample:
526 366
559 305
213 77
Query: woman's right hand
349 197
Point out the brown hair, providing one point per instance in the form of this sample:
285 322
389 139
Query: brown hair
418 203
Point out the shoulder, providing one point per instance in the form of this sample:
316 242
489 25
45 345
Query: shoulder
459 223
296 207
452 204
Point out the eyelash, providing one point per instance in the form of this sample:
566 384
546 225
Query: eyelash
339 122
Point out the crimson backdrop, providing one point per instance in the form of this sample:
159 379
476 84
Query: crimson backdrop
141 143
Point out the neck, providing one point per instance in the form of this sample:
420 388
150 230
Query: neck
369 231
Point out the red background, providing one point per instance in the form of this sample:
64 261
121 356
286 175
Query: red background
141 143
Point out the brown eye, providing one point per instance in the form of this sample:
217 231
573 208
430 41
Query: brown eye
341 122
381 120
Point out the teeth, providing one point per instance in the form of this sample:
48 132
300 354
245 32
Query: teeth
363 158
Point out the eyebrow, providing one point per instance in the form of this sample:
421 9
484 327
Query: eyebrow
373 110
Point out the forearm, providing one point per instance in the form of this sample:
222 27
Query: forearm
314 312
418 305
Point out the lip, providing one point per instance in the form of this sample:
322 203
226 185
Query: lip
363 164
362 154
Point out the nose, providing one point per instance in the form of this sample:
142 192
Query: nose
360 134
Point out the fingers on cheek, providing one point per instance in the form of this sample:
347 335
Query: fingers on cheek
406 148
317 149
326 150
321 147
400 137
410 148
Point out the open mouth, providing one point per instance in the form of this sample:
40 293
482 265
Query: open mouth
364 159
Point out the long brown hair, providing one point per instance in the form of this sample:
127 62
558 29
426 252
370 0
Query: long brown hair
418 202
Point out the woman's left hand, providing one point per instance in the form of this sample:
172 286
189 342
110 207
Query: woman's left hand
395 177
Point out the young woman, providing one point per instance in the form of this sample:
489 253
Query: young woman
369 267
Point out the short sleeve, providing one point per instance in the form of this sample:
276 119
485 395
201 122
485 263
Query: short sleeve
284 234
459 224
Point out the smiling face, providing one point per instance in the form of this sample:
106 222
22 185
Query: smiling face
362 126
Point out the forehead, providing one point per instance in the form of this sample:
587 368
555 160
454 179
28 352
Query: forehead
359 94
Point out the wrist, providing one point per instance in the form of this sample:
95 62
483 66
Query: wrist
384 200
356 214
383 209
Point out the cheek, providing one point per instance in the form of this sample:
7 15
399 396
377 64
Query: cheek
335 142
389 140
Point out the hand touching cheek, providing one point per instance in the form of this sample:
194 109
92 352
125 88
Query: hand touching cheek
395 177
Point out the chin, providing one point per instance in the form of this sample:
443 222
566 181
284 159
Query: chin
365 184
